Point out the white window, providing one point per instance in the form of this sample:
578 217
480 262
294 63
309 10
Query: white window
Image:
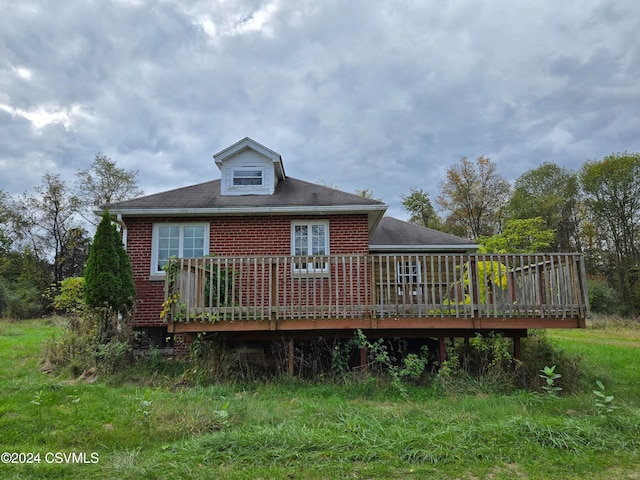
248 177
409 280
310 239
183 240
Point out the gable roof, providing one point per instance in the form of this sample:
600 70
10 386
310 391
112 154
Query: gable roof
291 196
249 144
393 235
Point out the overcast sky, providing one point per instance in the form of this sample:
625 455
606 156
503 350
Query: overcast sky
355 94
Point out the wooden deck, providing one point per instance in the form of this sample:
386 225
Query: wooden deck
397 295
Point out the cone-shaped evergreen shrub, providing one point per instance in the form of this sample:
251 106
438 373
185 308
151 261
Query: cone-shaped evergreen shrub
108 275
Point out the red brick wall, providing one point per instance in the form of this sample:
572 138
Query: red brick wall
233 236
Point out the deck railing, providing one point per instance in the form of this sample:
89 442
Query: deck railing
375 286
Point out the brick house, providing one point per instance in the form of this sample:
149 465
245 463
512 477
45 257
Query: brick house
257 254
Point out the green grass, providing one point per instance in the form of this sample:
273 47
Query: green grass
291 429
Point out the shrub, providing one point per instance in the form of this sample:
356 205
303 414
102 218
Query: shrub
23 301
70 297
4 295
539 351
485 364
602 298
482 364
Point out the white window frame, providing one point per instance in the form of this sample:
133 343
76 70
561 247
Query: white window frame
409 275
155 242
239 170
310 267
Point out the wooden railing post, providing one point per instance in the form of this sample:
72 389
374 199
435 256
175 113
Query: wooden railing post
474 281
273 294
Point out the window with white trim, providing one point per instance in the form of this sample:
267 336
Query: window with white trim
248 177
183 240
409 279
310 239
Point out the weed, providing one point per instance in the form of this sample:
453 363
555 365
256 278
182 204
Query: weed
145 410
549 375
38 400
603 402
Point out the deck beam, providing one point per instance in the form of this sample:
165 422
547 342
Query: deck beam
400 325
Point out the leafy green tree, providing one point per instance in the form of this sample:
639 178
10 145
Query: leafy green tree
418 204
109 283
474 197
103 183
43 220
553 193
520 235
612 197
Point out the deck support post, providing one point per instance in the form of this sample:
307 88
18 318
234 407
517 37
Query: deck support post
517 348
442 350
291 366
363 358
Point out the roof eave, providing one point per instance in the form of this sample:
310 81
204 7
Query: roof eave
374 212
424 248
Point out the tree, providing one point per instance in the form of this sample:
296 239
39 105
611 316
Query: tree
520 235
612 197
474 197
5 226
109 283
103 183
366 193
43 220
418 204
553 193
74 252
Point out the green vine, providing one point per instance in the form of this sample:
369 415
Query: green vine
173 307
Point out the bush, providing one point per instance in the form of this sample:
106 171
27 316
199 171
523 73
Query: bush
80 345
482 364
23 301
4 296
70 298
73 350
485 364
602 298
537 352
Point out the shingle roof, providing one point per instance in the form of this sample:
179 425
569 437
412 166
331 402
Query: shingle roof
290 192
392 234
291 196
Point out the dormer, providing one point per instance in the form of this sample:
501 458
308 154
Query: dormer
248 168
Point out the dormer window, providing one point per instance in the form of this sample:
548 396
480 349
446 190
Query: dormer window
248 168
248 177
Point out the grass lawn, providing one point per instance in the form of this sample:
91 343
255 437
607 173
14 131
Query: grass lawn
148 424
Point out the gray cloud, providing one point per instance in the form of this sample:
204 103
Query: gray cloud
358 94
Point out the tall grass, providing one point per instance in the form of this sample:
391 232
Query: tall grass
291 428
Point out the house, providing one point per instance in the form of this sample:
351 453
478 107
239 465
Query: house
259 255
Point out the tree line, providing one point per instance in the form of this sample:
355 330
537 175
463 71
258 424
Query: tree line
44 234
44 237
594 211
